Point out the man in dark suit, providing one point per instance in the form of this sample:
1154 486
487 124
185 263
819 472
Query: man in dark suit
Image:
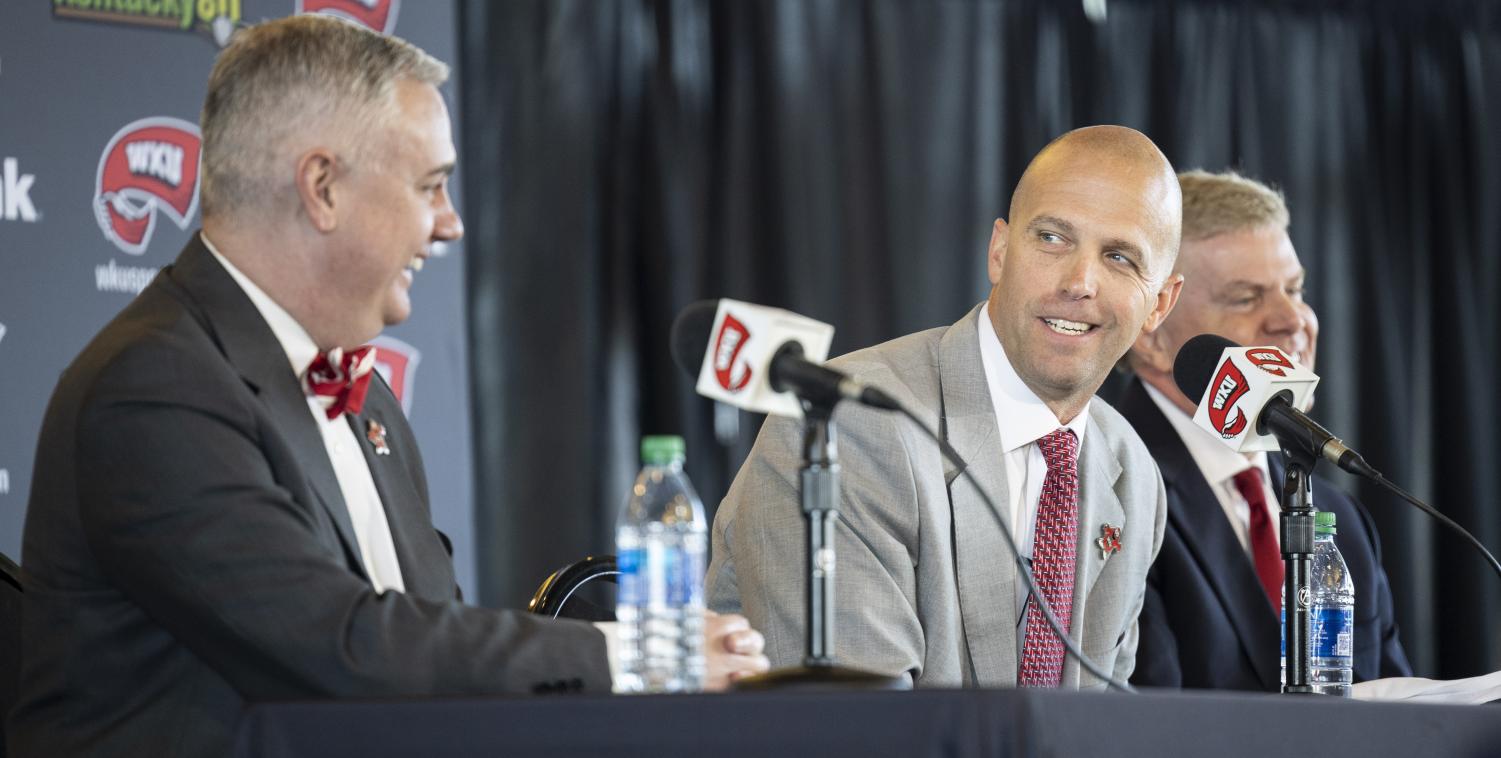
225 508
1211 615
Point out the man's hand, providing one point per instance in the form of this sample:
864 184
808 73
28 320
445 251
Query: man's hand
732 649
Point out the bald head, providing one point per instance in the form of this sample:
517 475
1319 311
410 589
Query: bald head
1084 266
1120 157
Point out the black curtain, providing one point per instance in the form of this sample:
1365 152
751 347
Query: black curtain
846 159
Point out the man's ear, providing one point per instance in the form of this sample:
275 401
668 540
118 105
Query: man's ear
996 255
1150 350
1167 297
317 172
1151 346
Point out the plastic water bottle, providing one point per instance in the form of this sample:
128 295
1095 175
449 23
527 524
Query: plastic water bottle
1331 623
1331 615
660 547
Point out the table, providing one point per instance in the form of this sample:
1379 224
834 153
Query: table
951 723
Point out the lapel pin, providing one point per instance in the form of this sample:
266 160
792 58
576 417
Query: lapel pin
1109 541
376 433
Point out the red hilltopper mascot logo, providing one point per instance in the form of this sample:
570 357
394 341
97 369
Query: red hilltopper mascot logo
149 166
1270 360
727 346
1229 386
379 15
397 363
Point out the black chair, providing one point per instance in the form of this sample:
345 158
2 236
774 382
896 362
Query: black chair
576 591
10 639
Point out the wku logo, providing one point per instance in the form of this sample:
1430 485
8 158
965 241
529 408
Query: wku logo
1269 359
379 15
149 166
396 361
727 346
1228 387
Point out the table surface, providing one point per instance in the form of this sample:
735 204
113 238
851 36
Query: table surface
957 723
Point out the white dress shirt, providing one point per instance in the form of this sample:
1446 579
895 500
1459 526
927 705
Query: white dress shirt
1219 465
366 512
1022 419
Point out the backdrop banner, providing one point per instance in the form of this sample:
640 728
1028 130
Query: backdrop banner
99 148
845 160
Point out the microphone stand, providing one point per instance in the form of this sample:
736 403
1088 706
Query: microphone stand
819 480
1297 557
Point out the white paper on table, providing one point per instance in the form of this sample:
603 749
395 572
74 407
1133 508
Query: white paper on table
1412 689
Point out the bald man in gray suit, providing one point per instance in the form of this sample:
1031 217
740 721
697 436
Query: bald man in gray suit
926 587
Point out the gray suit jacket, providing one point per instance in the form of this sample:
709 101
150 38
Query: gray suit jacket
925 584
188 550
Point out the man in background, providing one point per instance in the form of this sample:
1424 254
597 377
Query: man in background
926 587
226 506
1211 618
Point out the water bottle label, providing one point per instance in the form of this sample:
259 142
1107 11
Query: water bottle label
685 581
631 590
1329 633
674 586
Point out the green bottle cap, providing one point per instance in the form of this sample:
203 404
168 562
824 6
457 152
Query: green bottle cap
1323 522
662 449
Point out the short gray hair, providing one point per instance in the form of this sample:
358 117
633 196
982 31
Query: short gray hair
1215 204
283 86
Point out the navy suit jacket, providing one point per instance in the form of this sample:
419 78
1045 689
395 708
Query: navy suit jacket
1206 622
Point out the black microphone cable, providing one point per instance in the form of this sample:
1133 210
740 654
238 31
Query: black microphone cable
1192 371
691 332
1381 479
1022 564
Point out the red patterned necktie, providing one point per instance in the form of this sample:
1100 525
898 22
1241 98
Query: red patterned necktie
1053 548
1265 552
339 380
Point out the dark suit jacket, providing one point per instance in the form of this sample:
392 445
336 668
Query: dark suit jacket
187 548
1206 622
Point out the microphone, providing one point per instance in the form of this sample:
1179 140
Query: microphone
1238 385
758 358
744 354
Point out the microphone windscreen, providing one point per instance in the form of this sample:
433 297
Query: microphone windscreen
690 335
1196 361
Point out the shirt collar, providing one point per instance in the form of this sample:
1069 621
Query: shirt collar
294 340
1021 416
1215 460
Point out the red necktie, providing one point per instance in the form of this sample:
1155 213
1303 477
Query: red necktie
1265 552
1053 549
339 380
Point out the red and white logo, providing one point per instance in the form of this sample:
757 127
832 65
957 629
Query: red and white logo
379 15
149 167
732 374
396 362
1228 387
1270 360
1245 380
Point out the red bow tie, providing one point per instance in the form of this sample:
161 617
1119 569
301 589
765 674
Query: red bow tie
339 380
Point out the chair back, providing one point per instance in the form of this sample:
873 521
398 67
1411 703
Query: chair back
574 590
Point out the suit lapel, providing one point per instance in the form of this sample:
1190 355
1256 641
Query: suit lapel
986 574
1195 512
250 346
1098 505
418 551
